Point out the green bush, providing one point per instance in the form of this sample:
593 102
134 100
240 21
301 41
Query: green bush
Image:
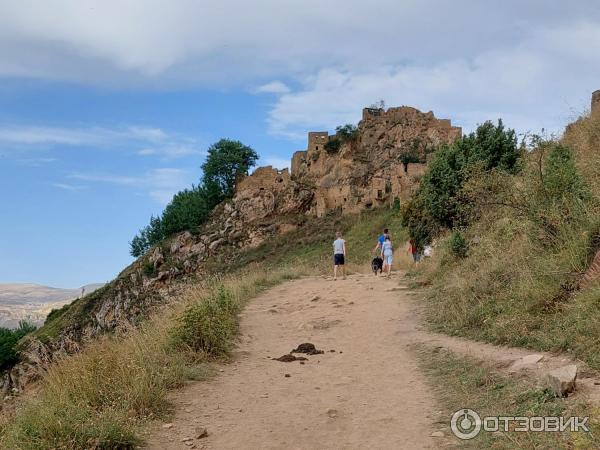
8 342
458 245
333 146
347 133
440 202
209 325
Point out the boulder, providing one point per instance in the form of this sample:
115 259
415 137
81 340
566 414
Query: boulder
562 380
213 245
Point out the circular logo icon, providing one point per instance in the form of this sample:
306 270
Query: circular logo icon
465 424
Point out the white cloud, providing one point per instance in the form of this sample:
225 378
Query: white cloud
517 83
517 59
160 184
69 187
155 141
198 42
274 87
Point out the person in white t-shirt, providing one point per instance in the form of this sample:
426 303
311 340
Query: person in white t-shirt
339 255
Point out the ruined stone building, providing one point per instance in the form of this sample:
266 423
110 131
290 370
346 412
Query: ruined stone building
363 172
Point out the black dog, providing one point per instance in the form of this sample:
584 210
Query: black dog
377 265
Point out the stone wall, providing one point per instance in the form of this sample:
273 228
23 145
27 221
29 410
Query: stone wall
364 173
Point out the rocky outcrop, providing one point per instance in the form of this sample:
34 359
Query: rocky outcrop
368 169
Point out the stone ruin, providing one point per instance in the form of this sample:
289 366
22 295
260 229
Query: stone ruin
364 173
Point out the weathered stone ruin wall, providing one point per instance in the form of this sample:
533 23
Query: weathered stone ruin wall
366 172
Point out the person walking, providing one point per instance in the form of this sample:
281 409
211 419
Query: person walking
414 251
381 240
339 255
387 254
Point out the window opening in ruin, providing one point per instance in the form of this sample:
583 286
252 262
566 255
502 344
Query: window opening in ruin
316 147
379 193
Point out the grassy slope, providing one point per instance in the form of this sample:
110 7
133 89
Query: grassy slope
518 288
103 397
469 383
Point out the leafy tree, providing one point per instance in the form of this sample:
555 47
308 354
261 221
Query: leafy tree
8 342
407 156
227 161
187 210
347 132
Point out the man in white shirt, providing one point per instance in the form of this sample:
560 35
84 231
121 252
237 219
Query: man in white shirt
339 255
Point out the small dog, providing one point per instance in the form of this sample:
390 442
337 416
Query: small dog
377 265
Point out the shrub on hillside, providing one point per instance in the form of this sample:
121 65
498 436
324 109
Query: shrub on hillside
347 133
8 342
333 146
458 244
227 161
440 202
209 325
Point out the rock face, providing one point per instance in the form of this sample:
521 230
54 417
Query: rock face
367 171
562 380
364 172
596 101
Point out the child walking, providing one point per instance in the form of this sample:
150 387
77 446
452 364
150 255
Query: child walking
339 255
387 254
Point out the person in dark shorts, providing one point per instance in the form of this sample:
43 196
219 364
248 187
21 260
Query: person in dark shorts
339 255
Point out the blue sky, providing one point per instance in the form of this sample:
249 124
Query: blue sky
106 109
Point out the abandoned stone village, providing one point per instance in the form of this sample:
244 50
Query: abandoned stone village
363 171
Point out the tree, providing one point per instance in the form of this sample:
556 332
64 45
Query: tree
187 210
407 156
227 161
440 192
8 342
347 132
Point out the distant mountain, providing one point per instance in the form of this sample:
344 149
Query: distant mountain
33 302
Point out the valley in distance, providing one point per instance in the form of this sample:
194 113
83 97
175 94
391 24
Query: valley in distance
33 302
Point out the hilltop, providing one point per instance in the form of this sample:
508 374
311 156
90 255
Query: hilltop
378 163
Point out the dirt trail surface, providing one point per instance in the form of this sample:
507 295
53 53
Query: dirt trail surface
369 393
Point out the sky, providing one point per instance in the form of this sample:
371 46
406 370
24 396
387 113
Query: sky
107 108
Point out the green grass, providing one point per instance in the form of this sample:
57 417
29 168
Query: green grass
463 382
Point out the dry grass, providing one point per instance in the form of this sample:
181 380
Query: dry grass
463 382
103 397
518 284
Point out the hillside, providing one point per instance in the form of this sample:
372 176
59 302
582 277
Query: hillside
375 164
523 270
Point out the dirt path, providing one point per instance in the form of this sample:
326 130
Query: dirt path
368 393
